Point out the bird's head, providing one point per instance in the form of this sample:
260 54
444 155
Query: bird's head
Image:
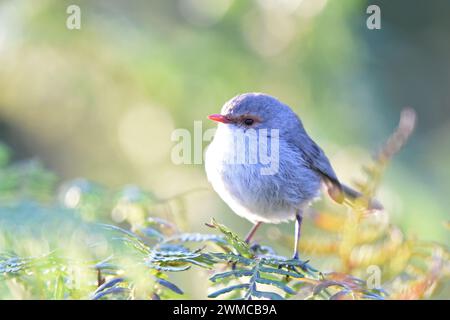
256 111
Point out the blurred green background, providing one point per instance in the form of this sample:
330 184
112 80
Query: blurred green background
101 102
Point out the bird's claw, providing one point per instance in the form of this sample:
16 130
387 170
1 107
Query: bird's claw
294 268
255 247
303 264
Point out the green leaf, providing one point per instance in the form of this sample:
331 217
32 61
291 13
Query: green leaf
152 233
169 285
168 268
237 243
111 283
228 289
130 238
275 283
266 295
230 257
281 272
196 237
229 274
110 291
59 288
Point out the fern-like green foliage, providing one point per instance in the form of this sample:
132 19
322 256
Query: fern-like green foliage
257 272
80 240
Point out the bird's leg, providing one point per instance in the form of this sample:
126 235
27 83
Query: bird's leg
298 225
252 231
248 237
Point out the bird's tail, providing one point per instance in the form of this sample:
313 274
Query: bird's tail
345 194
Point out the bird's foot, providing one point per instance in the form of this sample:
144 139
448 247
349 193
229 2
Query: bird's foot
296 267
255 247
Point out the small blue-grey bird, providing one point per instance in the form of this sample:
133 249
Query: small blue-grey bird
234 163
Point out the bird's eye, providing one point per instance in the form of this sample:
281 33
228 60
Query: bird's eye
249 121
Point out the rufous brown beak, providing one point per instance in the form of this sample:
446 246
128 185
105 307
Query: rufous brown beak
219 118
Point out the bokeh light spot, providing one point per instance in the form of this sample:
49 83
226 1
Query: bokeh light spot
144 135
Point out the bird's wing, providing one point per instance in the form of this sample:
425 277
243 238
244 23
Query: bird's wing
316 159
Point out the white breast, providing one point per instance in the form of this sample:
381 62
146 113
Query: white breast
241 186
